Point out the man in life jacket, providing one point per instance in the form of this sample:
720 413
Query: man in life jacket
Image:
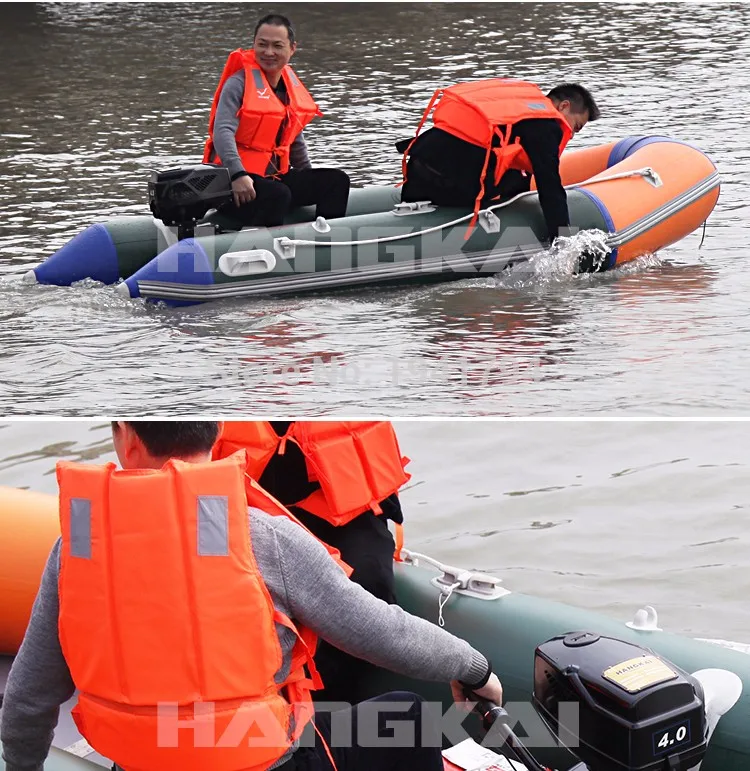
488 138
255 130
182 603
290 457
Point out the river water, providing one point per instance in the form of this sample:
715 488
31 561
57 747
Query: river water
95 95
609 516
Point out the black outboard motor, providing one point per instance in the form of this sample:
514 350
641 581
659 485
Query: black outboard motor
182 197
635 711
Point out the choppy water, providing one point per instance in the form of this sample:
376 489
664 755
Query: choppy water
95 95
607 516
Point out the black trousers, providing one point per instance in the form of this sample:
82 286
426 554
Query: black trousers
327 189
414 757
367 546
425 184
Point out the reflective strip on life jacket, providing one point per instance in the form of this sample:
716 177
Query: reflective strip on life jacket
258 77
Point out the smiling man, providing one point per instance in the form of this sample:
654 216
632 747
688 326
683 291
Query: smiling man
255 130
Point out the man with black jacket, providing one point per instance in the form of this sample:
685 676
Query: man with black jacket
365 544
447 170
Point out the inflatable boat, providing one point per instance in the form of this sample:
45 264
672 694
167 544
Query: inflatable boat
643 192
538 648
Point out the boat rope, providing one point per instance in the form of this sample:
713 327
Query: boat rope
703 238
447 591
647 173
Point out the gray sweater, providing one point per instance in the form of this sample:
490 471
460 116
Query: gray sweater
294 567
227 120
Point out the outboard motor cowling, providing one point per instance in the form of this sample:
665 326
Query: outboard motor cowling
636 711
182 197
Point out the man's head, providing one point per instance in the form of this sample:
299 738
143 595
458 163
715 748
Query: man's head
273 43
575 104
151 443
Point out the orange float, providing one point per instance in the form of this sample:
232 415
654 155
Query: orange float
680 191
30 525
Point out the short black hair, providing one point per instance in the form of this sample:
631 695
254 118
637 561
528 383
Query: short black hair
579 97
175 438
278 20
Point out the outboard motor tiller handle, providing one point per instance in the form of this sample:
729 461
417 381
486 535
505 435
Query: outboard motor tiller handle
494 715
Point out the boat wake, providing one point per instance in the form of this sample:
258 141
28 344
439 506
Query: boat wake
734 646
560 264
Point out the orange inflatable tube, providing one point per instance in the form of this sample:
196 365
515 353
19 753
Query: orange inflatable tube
664 190
29 527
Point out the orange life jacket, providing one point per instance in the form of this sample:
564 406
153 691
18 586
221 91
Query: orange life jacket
166 624
262 115
357 463
476 111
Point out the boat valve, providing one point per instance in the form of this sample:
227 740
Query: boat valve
321 226
645 620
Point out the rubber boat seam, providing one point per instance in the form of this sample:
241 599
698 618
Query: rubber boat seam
332 278
665 211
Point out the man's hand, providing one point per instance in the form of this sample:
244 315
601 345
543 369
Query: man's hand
492 691
243 190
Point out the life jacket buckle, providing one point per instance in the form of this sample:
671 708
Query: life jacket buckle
412 207
489 221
